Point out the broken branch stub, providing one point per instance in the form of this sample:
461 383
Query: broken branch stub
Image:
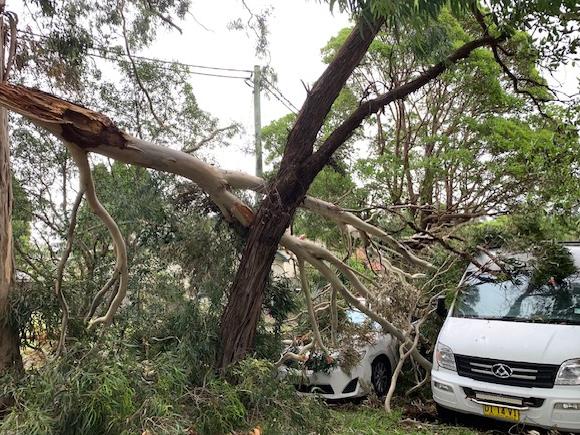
79 125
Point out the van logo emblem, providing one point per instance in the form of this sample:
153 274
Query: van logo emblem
501 371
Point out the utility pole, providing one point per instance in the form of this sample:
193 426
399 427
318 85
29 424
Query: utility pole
258 119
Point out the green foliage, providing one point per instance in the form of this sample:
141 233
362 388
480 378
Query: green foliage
96 397
134 381
279 300
320 362
552 260
395 13
285 412
553 23
524 228
21 213
274 137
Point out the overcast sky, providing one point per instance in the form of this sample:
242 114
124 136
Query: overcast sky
298 30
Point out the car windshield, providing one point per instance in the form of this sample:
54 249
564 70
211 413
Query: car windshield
356 317
519 299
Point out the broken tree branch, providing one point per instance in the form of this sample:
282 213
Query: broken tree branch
308 297
86 179
60 271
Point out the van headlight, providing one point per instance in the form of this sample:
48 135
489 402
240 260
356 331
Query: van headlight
569 373
444 357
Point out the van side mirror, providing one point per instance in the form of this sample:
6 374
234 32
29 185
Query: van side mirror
441 309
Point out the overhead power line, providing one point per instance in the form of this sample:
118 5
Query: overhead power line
96 51
290 106
280 96
151 59
165 65
281 99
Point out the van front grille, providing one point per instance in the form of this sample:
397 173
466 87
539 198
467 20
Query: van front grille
502 399
516 373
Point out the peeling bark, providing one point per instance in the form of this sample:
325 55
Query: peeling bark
10 358
9 338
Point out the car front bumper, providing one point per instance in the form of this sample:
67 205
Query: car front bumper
449 391
308 382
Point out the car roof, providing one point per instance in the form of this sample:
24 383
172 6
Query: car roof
574 248
485 259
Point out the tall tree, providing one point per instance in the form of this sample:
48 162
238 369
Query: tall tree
10 359
302 162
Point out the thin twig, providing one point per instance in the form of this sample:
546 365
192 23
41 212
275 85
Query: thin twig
163 17
134 66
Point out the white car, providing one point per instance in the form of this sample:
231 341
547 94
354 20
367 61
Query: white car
372 373
511 350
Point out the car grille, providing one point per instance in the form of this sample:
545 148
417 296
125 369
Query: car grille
315 388
523 374
351 386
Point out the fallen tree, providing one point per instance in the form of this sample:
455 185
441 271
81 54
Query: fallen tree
83 130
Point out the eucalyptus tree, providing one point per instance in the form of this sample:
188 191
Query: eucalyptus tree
306 153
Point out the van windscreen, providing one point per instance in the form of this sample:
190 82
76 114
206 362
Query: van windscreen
520 299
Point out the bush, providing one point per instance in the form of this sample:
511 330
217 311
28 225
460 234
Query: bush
112 394
251 395
67 397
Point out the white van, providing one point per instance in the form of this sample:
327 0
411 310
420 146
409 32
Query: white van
511 350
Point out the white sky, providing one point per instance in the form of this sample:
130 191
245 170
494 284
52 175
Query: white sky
298 30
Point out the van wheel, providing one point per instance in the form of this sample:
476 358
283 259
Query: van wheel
381 375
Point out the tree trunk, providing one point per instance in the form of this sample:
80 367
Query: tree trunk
9 337
242 313
240 319
10 359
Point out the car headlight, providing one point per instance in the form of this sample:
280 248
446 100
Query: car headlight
569 373
444 357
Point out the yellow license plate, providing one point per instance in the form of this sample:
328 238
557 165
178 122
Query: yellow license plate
501 412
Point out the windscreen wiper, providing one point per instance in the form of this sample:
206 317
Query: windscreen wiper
540 320
562 321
